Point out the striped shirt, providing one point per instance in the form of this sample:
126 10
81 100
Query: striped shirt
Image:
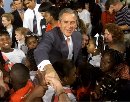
123 16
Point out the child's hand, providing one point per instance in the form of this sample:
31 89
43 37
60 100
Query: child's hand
3 87
56 84
41 78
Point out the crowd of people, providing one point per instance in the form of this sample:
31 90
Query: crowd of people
78 52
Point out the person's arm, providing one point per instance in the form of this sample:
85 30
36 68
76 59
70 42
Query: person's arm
56 84
36 95
124 27
39 90
41 54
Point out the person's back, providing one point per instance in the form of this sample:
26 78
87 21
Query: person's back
66 70
22 86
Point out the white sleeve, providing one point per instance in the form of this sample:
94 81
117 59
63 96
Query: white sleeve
43 64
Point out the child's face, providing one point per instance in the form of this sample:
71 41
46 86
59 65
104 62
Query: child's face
84 40
5 42
32 43
106 63
72 76
18 36
107 36
5 22
91 46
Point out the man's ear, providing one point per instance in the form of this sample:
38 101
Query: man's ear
59 23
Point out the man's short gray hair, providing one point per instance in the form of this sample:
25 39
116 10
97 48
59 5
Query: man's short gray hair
68 10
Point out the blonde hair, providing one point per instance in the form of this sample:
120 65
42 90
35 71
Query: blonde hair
22 30
9 17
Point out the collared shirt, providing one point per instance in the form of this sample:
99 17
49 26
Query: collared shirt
70 46
10 30
28 19
123 16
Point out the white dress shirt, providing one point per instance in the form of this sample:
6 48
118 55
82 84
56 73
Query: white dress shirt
28 19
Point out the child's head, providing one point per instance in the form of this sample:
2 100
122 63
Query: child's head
20 33
31 41
7 19
91 47
66 70
44 7
5 40
19 75
95 45
85 40
110 58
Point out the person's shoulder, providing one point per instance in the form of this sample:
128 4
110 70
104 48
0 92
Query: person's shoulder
27 11
14 12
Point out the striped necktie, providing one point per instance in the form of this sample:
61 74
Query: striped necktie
34 23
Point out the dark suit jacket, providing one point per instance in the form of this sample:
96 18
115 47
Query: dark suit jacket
17 19
53 47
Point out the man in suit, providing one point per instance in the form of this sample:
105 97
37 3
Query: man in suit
54 47
32 17
18 13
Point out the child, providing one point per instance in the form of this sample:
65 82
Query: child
22 86
31 42
9 54
94 52
67 73
108 85
20 34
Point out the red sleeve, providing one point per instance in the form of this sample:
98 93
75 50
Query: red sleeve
103 18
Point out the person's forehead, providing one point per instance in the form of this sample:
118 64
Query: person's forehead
27 1
18 1
65 15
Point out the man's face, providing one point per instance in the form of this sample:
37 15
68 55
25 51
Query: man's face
30 4
18 4
107 36
68 24
116 7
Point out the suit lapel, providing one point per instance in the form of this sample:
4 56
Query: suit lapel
75 46
63 45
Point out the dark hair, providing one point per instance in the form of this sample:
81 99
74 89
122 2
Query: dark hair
63 67
116 32
107 5
20 74
30 57
100 41
29 37
2 61
54 12
116 56
44 6
3 32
